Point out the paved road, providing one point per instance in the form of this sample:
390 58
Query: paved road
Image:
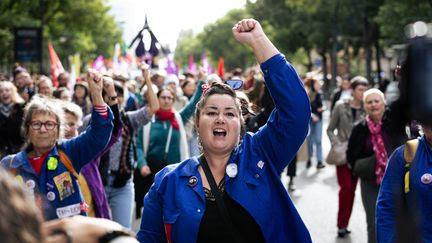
316 199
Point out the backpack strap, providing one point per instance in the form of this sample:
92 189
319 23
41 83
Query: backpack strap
410 150
67 163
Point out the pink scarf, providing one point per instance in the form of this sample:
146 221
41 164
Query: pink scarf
378 148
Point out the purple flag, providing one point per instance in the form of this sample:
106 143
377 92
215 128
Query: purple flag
206 64
99 63
170 68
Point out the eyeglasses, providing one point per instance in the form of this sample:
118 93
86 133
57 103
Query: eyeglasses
49 125
166 97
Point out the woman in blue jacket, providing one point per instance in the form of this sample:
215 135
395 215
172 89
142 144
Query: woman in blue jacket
49 169
404 204
248 202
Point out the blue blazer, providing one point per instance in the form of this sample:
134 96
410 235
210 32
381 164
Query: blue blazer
174 207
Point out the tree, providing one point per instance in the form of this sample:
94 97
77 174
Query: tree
73 26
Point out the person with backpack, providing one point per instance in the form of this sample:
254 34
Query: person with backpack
404 200
48 166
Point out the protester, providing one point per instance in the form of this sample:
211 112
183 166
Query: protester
403 205
49 168
44 86
180 207
368 148
342 92
313 88
63 93
116 165
163 141
345 114
63 80
81 97
172 82
11 114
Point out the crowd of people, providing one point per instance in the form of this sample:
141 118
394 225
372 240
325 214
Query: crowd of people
200 159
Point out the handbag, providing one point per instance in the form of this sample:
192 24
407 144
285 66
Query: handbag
337 154
365 168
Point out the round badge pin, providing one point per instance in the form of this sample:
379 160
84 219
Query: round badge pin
231 170
51 196
426 178
193 180
52 163
30 184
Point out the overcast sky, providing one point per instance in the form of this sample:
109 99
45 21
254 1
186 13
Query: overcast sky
168 17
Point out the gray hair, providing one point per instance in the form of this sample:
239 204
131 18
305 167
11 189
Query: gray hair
43 105
74 109
373 91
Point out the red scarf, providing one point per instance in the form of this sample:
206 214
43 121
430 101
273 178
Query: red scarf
378 148
167 115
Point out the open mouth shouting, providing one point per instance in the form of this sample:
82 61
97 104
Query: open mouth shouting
219 132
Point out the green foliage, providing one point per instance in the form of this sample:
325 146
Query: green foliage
73 26
216 41
394 15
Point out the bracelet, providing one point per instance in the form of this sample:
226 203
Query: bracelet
111 235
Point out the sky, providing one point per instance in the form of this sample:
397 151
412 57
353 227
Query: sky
167 18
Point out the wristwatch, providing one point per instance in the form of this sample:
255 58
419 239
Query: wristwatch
112 98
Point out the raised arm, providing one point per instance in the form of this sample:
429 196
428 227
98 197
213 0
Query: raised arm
85 147
249 32
153 103
279 140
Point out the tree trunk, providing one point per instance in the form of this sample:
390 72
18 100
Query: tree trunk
309 64
347 58
367 35
378 56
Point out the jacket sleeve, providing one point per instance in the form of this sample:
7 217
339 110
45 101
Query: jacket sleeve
141 161
187 112
389 196
354 145
86 146
333 125
152 226
279 140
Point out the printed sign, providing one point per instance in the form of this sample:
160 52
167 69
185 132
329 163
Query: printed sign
64 185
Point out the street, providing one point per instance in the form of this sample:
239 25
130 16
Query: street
316 199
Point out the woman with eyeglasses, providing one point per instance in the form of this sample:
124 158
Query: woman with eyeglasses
233 192
49 166
163 141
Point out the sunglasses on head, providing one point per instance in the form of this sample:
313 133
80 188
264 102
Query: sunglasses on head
235 84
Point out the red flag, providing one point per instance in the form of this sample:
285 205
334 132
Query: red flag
221 68
56 66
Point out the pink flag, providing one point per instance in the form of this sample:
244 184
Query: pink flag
56 66
192 67
99 63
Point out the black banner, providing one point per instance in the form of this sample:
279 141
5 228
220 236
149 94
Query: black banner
28 44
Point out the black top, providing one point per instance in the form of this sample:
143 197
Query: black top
212 227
